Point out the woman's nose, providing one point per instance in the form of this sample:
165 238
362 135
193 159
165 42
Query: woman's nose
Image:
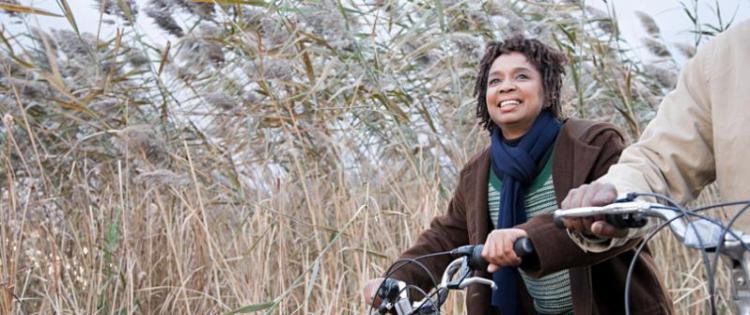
506 87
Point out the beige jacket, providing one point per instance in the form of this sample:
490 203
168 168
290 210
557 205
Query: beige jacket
701 133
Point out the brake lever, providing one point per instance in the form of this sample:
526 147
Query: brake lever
463 280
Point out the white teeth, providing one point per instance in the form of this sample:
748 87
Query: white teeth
509 102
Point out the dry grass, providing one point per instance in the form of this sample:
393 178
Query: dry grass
268 158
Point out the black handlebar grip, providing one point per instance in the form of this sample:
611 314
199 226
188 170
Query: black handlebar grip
627 220
476 261
523 247
388 290
559 221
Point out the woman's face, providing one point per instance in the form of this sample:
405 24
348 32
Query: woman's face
515 94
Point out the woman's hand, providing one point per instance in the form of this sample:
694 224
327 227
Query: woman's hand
371 289
594 194
498 249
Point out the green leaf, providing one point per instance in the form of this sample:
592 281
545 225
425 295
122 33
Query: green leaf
252 308
69 15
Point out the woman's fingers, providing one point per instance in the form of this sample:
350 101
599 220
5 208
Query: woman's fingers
498 249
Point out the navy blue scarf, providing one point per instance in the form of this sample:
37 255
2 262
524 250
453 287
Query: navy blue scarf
517 166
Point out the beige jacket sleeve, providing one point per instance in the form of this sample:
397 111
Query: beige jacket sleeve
674 155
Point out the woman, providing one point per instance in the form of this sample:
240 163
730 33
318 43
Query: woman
509 190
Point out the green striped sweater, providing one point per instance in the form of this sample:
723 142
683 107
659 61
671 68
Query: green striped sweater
551 293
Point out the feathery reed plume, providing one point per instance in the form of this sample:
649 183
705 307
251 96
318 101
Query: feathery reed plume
667 79
161 12
74 45
656 47
204 10
470 46
687 50
126 9
220 100
603 20
325 19
163 177
648 23
200 48
28 88
142 141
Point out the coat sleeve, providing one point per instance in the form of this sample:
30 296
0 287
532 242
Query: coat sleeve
554 250
446 232
674 155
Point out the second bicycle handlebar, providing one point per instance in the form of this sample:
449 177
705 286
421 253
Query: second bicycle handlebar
699 233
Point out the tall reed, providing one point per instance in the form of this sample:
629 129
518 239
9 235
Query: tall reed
271 155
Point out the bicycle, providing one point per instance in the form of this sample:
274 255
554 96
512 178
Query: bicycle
394 294
702 233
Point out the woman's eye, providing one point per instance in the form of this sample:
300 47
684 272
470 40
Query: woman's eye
522 76
494 81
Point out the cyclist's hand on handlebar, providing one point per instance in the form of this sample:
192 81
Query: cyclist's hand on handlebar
371 289
594 194
498 249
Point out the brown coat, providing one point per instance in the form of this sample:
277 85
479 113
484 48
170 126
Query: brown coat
583 152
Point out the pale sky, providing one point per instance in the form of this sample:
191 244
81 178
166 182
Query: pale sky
668 14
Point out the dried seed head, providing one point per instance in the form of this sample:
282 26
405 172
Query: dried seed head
161 177
220 100
107 107
496 7
687 50
28 88
478 16
666 79
137 58
270 69
199 49
203 10
126 9
251 18
603 20
161 13
656 47
43 36
648 23
74 46
275 33
469 45
325 19
252 97
512 22
142 140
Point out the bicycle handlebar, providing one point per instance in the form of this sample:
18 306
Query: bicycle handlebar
700 233
620 214
394 295
522 247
